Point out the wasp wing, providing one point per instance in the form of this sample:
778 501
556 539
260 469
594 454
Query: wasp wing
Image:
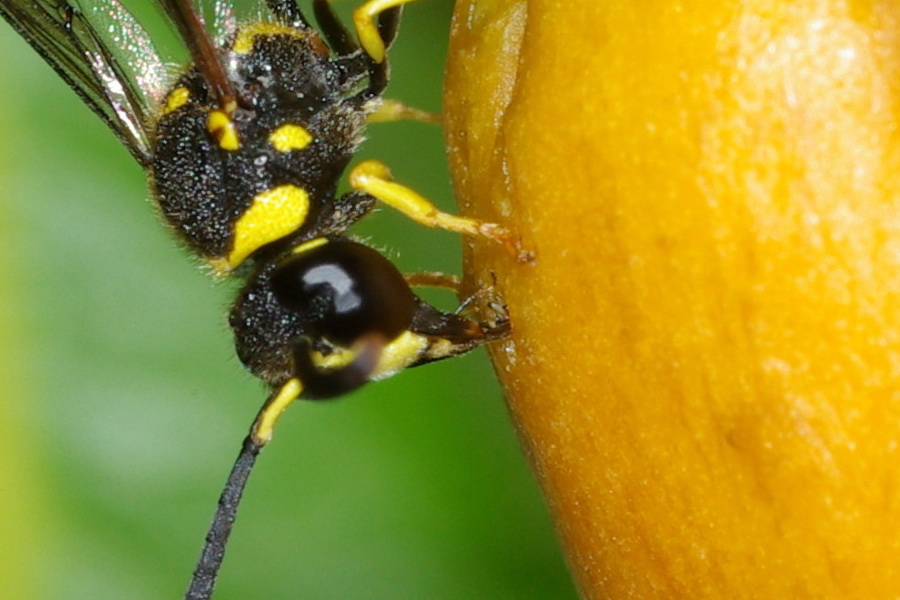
105 55
219 19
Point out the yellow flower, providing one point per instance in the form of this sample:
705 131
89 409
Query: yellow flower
705 365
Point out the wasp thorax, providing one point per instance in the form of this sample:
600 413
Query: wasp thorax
232 180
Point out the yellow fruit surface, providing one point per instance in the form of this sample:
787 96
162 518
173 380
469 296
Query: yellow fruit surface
705 364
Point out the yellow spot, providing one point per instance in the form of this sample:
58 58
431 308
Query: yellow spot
273 409
290 137
272 215
401 352
221 127
310 245
243 43
176 99
337 359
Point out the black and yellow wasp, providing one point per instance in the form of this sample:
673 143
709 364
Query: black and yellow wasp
244 149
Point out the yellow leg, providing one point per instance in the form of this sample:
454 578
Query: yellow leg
261 431
374 178
436 280
394 110
367 29
485 297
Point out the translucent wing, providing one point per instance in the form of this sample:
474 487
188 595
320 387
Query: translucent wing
190 21
104 54
219 19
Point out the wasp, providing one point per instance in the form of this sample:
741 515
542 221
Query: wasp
244 149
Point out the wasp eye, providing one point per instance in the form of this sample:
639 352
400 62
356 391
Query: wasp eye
346 290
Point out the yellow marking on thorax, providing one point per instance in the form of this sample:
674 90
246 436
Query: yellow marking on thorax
290 137
243 43
273 214
176 99
221 127
310 245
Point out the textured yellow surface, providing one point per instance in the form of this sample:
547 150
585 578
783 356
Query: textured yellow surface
705 367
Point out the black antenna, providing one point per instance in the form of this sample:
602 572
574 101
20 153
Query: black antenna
207 570
204 580
203 50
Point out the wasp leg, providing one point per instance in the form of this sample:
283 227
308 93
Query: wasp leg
288 12
484 298
335 33
375 179
437 280
394 110
375 38
452 334
389 24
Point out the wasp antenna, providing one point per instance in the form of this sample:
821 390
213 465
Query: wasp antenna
203 51
207 570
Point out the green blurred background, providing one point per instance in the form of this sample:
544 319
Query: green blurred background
123 404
